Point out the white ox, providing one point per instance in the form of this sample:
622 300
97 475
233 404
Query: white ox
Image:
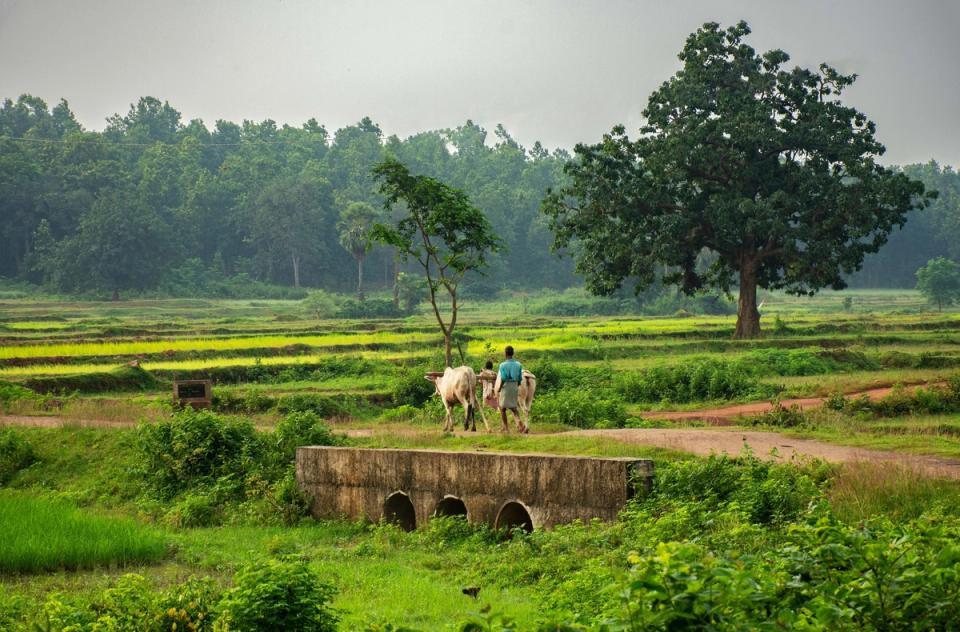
459 386
528 388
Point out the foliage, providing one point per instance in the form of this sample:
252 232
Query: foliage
279 594
369 308
760 165
441 230
16 453
689 382
320 304
939 281
411 291
579 407
299 429
42 534
318 405
195 448
410 388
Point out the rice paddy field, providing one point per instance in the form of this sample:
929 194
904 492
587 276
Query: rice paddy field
85 396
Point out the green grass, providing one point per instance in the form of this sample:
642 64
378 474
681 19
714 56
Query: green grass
43 534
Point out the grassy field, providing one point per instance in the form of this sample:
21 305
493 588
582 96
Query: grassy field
41 534
87 511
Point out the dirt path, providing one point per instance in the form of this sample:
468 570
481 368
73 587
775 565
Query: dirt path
726 415
706 441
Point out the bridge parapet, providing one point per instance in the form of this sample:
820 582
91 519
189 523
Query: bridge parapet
494 488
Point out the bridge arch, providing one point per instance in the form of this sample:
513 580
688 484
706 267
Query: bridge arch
514 514
451 506
398 509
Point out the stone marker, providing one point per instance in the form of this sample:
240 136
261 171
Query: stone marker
195 393
499 489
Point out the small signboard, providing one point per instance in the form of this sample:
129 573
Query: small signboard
194 393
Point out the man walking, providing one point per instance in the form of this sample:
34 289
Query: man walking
510 374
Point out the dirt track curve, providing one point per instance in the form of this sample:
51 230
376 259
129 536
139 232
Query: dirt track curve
725 415
701 441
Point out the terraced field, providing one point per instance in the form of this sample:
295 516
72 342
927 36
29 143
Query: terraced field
89 387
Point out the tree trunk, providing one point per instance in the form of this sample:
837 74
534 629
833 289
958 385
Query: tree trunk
296 270
116 296
396 279
360 279
748 317
448 334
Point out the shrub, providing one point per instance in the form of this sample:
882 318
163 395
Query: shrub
781 416
279 595
16 453
321 405
319 304
195 448
579 407
299 429
767 492
689 382
199 508
410 388
10 393
370 308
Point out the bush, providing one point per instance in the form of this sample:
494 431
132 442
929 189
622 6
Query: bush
370 308
10 393
579 407
195 448
690 382
320 304
299 429
769 493
279 595
16 453
321 405
411 389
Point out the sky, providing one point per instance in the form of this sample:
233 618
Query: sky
560 71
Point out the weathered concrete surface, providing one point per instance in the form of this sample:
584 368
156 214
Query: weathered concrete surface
357 483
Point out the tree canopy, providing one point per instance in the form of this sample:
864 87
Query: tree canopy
440 229
241 200
939 282
759 165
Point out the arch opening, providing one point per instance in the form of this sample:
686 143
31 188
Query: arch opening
398 510
451 506
514 515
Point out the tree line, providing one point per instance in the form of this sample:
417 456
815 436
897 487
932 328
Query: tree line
153 203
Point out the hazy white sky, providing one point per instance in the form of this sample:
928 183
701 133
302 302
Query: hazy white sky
555 71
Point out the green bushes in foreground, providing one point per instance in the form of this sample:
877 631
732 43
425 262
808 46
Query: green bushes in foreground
42 534
202 469
281 594
16 453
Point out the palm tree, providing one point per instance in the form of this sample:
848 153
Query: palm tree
356 221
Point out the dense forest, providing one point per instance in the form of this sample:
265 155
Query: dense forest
155 204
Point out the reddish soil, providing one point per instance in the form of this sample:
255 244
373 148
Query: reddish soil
726 415
773 445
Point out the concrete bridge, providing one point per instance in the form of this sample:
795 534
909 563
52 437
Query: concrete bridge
502 490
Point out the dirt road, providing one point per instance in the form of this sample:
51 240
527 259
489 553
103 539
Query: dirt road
706 441
726 415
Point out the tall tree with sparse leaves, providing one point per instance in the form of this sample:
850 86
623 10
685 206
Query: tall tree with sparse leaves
741 155
440 229
355 227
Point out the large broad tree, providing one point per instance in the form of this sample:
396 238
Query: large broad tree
759 163
440 229
355 228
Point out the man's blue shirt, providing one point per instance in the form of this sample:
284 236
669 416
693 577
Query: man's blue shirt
511 371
